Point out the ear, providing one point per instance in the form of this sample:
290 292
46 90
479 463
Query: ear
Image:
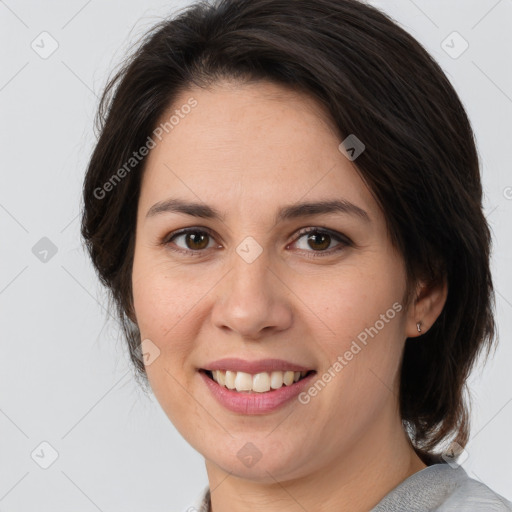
427 305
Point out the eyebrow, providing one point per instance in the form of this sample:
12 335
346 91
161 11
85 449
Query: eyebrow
289 212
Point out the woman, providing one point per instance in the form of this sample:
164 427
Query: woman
285 204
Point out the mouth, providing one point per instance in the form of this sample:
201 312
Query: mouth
262 382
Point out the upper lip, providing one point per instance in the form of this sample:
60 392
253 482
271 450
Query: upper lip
253 367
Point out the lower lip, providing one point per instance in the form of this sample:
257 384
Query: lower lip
255 403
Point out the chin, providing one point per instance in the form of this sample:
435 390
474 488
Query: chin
245 460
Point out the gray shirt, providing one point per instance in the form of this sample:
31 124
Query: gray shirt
436 488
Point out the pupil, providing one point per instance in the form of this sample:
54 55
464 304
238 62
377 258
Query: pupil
197 239
324 236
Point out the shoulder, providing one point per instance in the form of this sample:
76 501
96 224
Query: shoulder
472 495
438 488
442 488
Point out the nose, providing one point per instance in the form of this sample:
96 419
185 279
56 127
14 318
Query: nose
252 300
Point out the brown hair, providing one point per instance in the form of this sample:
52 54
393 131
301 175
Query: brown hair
420 163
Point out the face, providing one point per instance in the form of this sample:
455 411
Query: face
318 288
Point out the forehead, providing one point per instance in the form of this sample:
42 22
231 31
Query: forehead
257 139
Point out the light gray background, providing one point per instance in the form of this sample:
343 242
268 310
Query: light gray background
65 378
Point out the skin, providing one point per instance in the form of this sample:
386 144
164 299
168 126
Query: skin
247 150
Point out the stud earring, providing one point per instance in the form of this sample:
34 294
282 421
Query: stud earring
418 325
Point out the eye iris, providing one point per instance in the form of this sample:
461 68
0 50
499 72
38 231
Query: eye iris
197 238
326 238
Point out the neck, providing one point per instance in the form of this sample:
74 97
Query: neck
356 480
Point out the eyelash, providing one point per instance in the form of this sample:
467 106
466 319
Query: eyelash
345 242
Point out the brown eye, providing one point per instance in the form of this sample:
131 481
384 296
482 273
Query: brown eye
319 241
196 241
193 240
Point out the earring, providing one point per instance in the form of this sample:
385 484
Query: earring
418 325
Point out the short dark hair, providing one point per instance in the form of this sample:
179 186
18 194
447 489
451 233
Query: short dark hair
420 164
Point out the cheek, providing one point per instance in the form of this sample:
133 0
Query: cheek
364 311
161 310
163 304
361 302
162 295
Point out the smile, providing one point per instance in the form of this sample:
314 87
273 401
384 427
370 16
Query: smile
255 393
261 382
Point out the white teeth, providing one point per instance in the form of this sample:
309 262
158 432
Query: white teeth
288 378
243 381
230 379
276 380
259 383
